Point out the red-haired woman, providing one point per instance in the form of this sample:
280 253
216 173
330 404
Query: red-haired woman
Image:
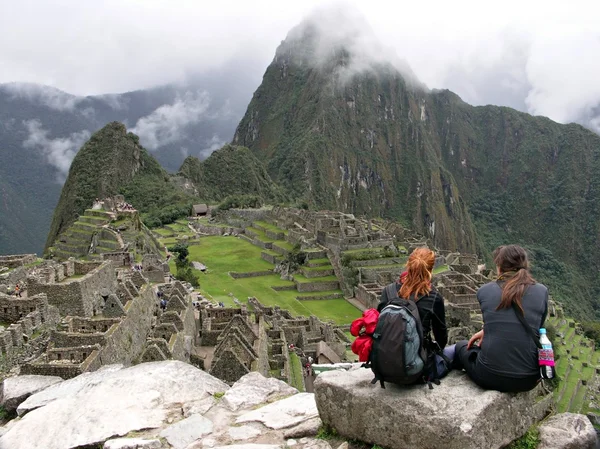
507 358
415 284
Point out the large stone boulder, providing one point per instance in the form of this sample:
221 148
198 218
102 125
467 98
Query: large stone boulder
91 408
567 431
253 389
454 415
16 389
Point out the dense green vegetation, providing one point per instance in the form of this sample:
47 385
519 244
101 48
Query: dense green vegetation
113 162
231 171
470 178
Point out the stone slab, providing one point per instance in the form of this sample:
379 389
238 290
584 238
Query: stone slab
567 431
253 389
285 413
16 389
454 415
183 433
243 433
132 443
88 410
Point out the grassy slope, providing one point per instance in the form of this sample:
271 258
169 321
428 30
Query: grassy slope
224 254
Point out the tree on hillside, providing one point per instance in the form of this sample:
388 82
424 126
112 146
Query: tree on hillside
185 271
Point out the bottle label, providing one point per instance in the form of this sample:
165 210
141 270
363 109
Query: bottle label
546 357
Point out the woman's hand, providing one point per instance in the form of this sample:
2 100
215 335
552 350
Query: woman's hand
476 336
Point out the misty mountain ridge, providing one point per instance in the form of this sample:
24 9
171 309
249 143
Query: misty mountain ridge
344 133
43 128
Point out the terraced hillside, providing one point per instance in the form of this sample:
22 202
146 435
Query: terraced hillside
576 367
98 232
240 267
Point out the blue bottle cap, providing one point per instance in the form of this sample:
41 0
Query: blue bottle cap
542 331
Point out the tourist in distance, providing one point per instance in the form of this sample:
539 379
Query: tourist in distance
415 285
506 359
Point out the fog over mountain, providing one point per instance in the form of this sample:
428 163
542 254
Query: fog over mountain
188 70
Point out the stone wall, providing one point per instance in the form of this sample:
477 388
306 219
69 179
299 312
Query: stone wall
80 296
12 308
317 286
126 341
17 260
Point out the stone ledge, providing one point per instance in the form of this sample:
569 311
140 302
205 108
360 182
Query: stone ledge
454 415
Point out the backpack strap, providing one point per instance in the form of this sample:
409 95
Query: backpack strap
527 327
391 291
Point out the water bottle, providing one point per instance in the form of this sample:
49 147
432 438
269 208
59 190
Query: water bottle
546 356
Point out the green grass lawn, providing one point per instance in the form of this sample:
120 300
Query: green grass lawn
164 232
270 227
441 269
260 235
284 244
297 379
224 254
302 279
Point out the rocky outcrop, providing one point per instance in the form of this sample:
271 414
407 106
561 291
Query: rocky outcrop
567 431
94 407
254 389
16 389
454 415
167 404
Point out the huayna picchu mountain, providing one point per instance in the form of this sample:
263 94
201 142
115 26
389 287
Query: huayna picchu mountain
112 162
342 131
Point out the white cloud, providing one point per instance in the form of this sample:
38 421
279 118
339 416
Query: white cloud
539 56
59 151
46 95
167 123
212 145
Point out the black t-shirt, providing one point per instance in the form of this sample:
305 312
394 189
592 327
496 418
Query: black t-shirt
507 349
431 312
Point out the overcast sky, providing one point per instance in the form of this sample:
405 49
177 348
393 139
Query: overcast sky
538 56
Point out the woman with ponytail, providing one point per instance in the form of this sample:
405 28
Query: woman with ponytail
415 284
506 357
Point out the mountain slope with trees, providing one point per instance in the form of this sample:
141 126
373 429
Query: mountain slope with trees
341 132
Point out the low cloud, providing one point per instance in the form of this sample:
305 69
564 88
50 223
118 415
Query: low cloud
60 151
212 145
339 27
48 96
167 124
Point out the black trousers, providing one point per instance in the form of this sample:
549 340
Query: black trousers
467 359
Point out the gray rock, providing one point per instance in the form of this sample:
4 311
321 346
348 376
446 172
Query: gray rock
64 389
308 428
132 443
253 389
89 409
313 443
186 431
16 389
243 433
250 446
567 431
198 407
454 415
284 413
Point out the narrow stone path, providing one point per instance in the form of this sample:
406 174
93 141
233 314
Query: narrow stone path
356 303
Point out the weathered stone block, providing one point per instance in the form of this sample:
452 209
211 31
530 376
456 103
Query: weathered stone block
454 415
567 431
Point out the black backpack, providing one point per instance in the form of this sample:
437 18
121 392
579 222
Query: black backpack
398 354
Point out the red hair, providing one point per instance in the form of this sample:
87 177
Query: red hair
417 281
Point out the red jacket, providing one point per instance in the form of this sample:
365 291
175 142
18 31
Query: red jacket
364 342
